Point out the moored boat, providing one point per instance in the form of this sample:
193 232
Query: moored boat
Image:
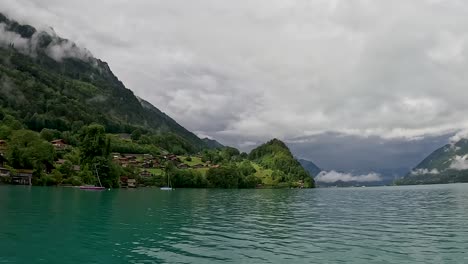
168 187
92 188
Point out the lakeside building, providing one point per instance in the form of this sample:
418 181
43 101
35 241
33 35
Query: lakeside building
4 172
145 173
59 144
125 182
22 177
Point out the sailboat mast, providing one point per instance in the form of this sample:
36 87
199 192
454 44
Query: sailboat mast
97 174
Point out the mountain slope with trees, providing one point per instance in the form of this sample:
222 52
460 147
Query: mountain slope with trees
448 164
65 119
276 156
49 82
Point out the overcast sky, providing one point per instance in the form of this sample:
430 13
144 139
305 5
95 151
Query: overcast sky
376 73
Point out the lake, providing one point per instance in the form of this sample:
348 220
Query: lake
409 224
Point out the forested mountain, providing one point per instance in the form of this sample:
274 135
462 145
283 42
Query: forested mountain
309 166
447 164
275 155
65 118
211 143
49 82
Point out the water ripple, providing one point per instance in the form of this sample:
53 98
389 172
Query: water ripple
422 224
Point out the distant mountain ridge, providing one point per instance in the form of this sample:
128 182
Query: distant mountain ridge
448 164
309 166
49 82
211 143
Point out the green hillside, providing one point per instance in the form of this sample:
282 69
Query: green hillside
444 165
49 82
276 156
66 119
211 143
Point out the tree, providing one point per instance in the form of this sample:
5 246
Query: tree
50 134
223 177
5 132
57 176
66 169
28 151
95 153
136 134
246 168
93 143
86 175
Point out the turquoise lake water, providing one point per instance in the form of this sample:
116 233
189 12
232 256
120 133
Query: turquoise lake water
410 224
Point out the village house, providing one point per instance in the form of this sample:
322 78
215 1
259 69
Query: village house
183 166
125 182
147 157
125 136
60 162
147 164
4 172
122 161
76 168
131 183
145 173
198 166
59 144
22 177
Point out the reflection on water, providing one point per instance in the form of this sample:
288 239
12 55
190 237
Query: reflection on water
422 224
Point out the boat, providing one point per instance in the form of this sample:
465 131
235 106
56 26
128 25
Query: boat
93 187
168 187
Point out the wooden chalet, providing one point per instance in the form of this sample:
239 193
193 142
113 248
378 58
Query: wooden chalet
4 172
148 157
60 162
22 177
145 173
198 166
122 161
76 168
131 183
59 144
183 166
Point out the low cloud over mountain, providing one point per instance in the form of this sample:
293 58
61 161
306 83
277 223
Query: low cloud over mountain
247 71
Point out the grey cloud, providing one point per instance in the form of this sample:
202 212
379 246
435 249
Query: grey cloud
424 171
382 73
10 38
459 163
67 49
334 176
58 49
289 69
